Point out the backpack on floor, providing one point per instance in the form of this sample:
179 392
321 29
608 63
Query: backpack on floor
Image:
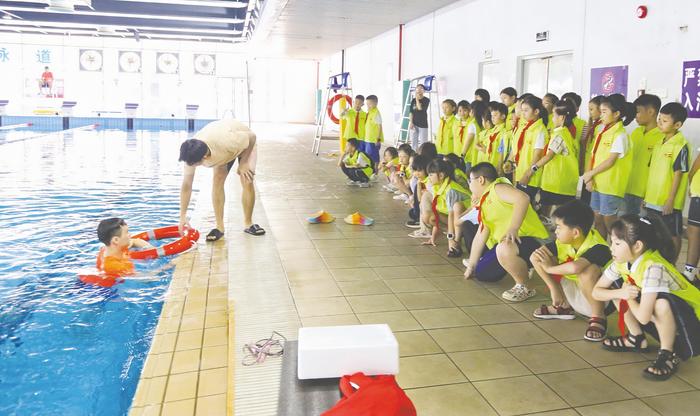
371 396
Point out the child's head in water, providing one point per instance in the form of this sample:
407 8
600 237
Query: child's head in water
113 232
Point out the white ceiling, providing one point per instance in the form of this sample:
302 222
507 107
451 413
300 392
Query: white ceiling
314 29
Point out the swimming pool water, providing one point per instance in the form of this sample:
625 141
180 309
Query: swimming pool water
68 348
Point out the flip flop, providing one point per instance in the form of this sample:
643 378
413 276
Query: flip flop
214 235
254 229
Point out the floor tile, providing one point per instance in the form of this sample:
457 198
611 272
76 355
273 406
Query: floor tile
585 387
519 333
425 300
345 262
596 356
214 357
331 320
464 338
417 284
679 404
211 405
630 376
397 321
633 407
439 270
364 287
375 303
451 400
453 283
488 364
380 261
519 395
427 370
185 361
322 307
547 358
212 382
493 314
397 272
473 296
416 343
315 289
442 318
181 387
179 408
689 371
354 274
564 330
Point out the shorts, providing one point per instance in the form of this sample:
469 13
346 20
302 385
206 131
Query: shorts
251 159
633 205
531 191
673 221
551 199
606 205
371 149
694 212
488 269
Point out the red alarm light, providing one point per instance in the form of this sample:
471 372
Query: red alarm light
642 12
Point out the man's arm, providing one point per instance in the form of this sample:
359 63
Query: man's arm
244 169
186 194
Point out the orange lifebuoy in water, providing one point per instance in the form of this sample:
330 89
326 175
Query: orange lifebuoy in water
184 243
329 108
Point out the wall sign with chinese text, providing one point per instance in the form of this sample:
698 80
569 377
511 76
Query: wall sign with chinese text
690 88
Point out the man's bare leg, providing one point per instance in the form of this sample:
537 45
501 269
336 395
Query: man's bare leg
248 201
218 196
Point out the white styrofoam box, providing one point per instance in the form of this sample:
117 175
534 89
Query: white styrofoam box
335 351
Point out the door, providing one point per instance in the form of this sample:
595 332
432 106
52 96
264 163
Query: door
545 74
488 77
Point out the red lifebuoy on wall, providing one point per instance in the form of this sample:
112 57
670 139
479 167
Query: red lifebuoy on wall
329 107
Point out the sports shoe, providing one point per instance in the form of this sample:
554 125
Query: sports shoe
420 234
364 185
352 183
518 293
412 224
401 197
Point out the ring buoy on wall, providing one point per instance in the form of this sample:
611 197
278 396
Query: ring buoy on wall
333 100
187 241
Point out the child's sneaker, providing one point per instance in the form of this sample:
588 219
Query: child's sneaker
518 293
364 185
374 177
420 234
352 183
401 197
412 224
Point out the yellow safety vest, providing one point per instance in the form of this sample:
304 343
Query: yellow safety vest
445 137
560 175
358 156
459 132
373 130
660 182
687 291
589 146
695 185
567 253
579 123
509 117
614 180
527 152
474 150
354 124
393 163
642 144
490 139
462 178
440 191
495 215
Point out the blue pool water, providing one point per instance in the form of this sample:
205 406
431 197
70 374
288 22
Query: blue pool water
67 348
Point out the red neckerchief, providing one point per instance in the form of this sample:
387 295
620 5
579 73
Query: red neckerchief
597 142
572 130
491 140
478 216
357 122
521 140
591 131
515 121
558 277
624 307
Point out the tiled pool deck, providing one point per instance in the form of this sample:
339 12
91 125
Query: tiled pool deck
464 351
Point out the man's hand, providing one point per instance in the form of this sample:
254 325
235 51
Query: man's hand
183 225
410 125
245 172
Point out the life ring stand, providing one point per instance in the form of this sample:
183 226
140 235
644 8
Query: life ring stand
333 100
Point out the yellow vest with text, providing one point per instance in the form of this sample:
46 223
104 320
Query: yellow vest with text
614 180
373 130
560 175
354 158
444 140
491 155
567 252
689 293
643 145
527 152
440 192
661 174
509 117
350 121
496 215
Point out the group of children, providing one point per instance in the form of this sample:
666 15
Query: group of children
501 175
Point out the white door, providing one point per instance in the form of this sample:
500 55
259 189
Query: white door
545 74
489 79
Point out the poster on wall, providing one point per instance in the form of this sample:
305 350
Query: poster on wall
90 60
129 61
609 80
690 90
167 63
204 64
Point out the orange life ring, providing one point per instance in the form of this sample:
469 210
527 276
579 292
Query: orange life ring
329 107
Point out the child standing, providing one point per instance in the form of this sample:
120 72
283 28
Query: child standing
611 162
590 132
666 187
530 145
356 165
474 128
579 123
548 102
560 163
499 136
374 134
643 139
508 227
444 141
509 96
355 120
650 295
460 128
571 266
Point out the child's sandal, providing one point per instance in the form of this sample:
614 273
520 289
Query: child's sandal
597 328
665 365
454 252
617 344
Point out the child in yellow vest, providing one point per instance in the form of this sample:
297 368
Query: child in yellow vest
482 95
444 138
482 142
611 161
509 230
559 165
419 170
529 146
356 165
518 123
389 165
474 128
499 136
691 264
401 178
650 294
548 102
571 266
509 96
446 194
590 132
579 123
667 185
643 140
355 119
374 134
459 132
